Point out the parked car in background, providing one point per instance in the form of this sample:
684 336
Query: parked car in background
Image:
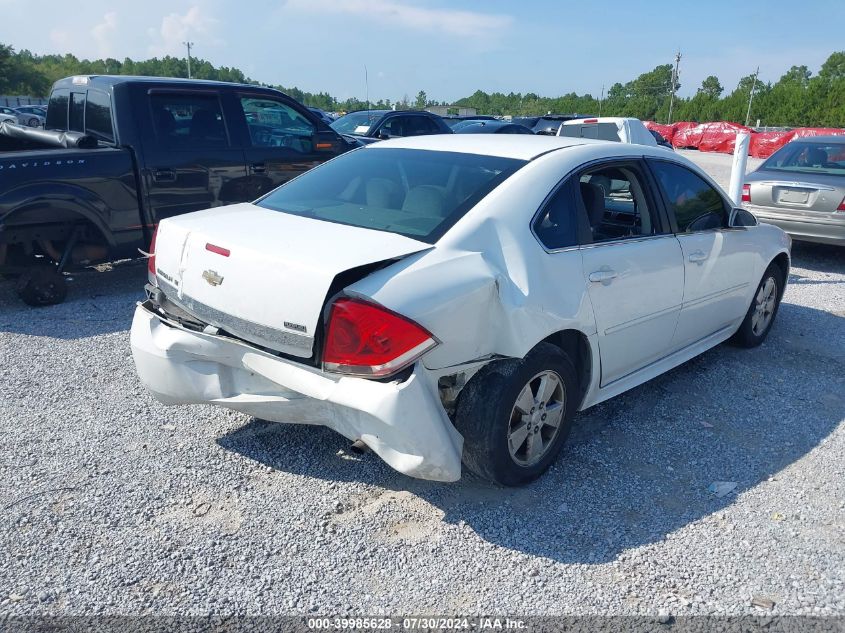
550 123
455 297
491 127
121 153
34 115
323 115
451 121
619 129
19 117
801 189
369 126
11 118
660 140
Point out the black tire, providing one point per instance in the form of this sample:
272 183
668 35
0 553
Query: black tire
42 286
746 336
485 407
33 122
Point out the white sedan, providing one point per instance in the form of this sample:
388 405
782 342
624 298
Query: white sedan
455 298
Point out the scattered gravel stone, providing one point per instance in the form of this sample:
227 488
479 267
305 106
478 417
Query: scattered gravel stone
104 491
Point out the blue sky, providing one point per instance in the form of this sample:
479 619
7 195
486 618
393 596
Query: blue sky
448 49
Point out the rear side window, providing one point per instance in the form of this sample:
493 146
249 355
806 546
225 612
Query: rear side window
696 205
416 193
557 225
57 110
189 120
76 113
98 115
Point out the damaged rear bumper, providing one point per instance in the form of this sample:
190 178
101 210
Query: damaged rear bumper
403 422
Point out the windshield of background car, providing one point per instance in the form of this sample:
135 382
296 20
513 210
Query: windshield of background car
415 193
812 158
356 123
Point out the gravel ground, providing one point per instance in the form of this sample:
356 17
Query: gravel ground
113 503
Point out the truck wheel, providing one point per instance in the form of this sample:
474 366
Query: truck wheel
515 415
42 286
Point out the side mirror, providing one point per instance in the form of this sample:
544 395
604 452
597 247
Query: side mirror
383 134
740 218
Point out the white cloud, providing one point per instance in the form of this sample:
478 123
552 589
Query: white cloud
103 34
176 28
469 24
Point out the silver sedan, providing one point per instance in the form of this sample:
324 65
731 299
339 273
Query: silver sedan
801 189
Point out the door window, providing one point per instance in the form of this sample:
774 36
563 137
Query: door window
696 205
276 124
190 120
616 203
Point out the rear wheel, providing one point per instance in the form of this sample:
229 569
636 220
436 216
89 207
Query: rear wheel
33 122
763 309
515 415
42 286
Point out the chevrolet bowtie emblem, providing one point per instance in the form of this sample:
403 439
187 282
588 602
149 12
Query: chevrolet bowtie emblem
212 277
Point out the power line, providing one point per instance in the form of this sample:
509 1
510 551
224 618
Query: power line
188 45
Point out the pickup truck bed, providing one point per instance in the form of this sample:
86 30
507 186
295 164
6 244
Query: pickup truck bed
120 153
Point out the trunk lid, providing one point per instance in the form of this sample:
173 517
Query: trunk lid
797 194
263 275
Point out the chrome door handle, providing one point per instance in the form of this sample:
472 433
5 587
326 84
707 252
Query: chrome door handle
602 276
697 256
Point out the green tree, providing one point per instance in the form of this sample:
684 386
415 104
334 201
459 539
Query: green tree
711 87
421 101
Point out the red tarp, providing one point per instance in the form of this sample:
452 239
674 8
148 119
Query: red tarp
666 131
718 136
764 144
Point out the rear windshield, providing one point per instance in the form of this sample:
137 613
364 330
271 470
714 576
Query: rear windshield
356 123
813 158
416 193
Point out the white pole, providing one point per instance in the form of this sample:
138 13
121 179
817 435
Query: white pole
738 169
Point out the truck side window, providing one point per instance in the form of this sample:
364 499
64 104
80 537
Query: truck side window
184 121
57 110
98 115
276 124
76 113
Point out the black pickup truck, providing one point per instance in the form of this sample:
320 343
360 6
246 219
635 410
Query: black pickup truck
120 153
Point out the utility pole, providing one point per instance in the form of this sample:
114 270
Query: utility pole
188 45
751 95
674 84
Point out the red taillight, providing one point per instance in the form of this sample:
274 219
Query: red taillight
151 260
841 206
746 193
367 340
590 121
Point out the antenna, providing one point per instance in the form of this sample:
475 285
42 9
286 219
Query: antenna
601 99
188 45
367 87
675 75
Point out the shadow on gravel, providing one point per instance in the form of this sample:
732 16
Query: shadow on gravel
637 467
821 257
97 303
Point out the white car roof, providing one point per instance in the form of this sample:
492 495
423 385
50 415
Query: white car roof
519 146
